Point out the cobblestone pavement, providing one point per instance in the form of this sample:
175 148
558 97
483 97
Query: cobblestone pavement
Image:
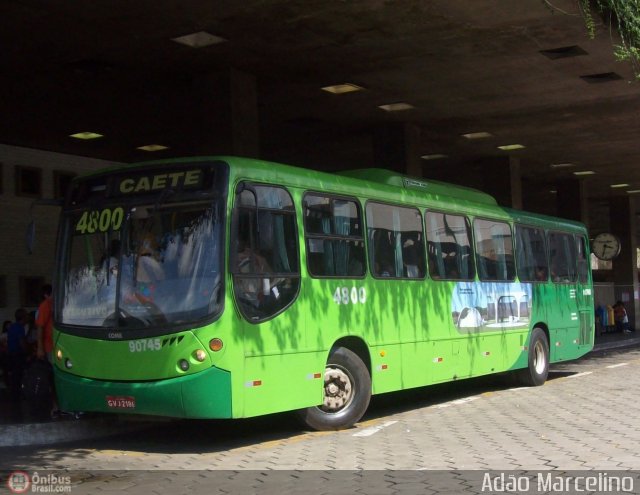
584 418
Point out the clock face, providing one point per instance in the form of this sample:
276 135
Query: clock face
606 246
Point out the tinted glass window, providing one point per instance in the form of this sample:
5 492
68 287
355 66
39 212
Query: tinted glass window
494 250
531 248
264 260
335 246
449 246
396 244
582 259
562 257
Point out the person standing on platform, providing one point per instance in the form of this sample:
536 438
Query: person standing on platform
44 322
621 317
16 353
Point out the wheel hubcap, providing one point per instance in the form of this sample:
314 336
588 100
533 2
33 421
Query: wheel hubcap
539 359
338 389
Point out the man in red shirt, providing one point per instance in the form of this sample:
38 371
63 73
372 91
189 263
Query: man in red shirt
44 321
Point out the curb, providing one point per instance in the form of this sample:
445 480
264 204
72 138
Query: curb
620 344
67 430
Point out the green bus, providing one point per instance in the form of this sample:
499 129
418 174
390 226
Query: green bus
225 287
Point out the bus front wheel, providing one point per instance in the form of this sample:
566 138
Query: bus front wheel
537 369
347 391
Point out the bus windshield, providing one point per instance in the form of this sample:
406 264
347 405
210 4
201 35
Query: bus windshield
141 267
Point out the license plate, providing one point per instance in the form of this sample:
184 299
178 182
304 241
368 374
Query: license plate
121 402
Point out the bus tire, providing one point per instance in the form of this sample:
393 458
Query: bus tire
535 374
347 392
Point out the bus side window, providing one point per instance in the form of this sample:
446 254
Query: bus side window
494 250
396 245
562 257
334 236
264 255
449 241
582 260
531 254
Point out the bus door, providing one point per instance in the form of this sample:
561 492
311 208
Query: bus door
584 294
264 263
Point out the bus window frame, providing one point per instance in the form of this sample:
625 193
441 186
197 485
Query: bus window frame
545 232
362 238
574 281
585 247
232 261
424 238
472 250
513 249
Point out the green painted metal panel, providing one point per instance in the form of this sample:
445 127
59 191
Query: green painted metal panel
203 395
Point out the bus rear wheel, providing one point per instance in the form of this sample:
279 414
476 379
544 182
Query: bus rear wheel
347 392
537 369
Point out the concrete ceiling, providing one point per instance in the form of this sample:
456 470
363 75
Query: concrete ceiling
465 65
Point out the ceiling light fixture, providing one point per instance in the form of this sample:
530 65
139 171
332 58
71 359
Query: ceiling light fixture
434 156
396 107
511 147
602 77
633 191
616 186
200 39
153 147
86 135
585 172
339 89
477 135
562 165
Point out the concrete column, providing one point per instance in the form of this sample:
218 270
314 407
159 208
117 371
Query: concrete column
397 147
228 114
497 175
571 200
500 177
516 182
625 271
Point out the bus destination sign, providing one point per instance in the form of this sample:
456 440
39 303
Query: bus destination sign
183 179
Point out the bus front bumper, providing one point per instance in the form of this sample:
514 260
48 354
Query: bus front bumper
202 395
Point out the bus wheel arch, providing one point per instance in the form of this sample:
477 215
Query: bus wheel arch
347 388
538 359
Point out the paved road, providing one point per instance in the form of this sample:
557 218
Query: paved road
586 417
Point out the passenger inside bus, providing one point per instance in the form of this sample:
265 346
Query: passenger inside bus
541 273
249 261
410 259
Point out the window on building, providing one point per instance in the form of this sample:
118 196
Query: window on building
264 262
449 246
31 291
531 254
562 257
494 250
396 241
334 236
61 183
28 181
